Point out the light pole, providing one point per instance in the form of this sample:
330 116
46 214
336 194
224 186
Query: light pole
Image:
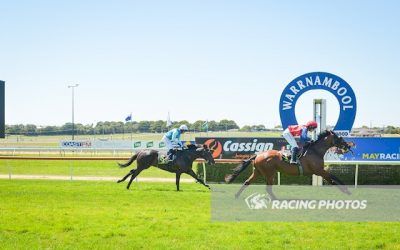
73 124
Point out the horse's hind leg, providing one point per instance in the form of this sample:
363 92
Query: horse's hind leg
252 178
178 177
126 176
136 173
270 182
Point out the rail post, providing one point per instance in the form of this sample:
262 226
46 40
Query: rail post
204 173
356 176
9 169
279 178
71 169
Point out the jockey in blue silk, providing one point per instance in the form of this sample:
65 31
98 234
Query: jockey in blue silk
173 142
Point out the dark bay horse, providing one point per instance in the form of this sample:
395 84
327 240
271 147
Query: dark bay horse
312 162
183 163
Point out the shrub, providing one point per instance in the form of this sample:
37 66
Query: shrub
216 174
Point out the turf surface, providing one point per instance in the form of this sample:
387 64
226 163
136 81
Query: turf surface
77 168
103 215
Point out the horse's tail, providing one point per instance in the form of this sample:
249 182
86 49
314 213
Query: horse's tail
132 159
236 171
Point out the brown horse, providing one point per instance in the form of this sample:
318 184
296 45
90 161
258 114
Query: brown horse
312 162
183 163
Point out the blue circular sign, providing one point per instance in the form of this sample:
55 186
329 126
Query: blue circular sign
315 81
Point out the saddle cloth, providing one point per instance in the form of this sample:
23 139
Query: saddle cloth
162 158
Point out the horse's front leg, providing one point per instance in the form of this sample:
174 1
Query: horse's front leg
193 174
333 180
341 185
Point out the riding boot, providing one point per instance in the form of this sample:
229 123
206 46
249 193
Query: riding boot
171 156
295 151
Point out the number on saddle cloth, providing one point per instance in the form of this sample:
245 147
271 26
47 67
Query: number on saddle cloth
287 155
162 158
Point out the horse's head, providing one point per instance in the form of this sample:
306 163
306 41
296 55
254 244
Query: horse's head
333 140
341 145
206 154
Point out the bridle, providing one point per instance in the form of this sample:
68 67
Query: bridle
341 144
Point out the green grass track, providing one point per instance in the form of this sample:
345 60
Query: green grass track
43 214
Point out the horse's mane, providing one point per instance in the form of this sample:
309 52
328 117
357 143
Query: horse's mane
192 146
323 134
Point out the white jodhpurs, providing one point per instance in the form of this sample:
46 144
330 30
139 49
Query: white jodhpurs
168 143
289 138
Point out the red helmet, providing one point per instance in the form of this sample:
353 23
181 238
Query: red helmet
312 124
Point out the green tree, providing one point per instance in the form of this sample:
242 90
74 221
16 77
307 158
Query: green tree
30 129
212 126
158 126
227 125
144 126
196 126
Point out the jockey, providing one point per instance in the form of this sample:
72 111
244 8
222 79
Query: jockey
172 141
298 130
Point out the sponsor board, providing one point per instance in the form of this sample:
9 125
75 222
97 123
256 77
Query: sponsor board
121 144
239 147
117 144
366 149
76 144
374 149
319 81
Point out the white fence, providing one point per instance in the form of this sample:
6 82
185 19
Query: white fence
358 163
327 163
62 151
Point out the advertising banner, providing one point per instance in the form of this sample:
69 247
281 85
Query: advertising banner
120 144
366 149
76 144
374 149
240 147
117 144
319 81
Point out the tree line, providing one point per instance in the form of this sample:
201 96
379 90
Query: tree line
112 127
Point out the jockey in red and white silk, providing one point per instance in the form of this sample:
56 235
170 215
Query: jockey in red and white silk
298 130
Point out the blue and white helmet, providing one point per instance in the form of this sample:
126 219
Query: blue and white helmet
183 127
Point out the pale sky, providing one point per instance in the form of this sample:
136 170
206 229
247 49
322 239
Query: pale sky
196 59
